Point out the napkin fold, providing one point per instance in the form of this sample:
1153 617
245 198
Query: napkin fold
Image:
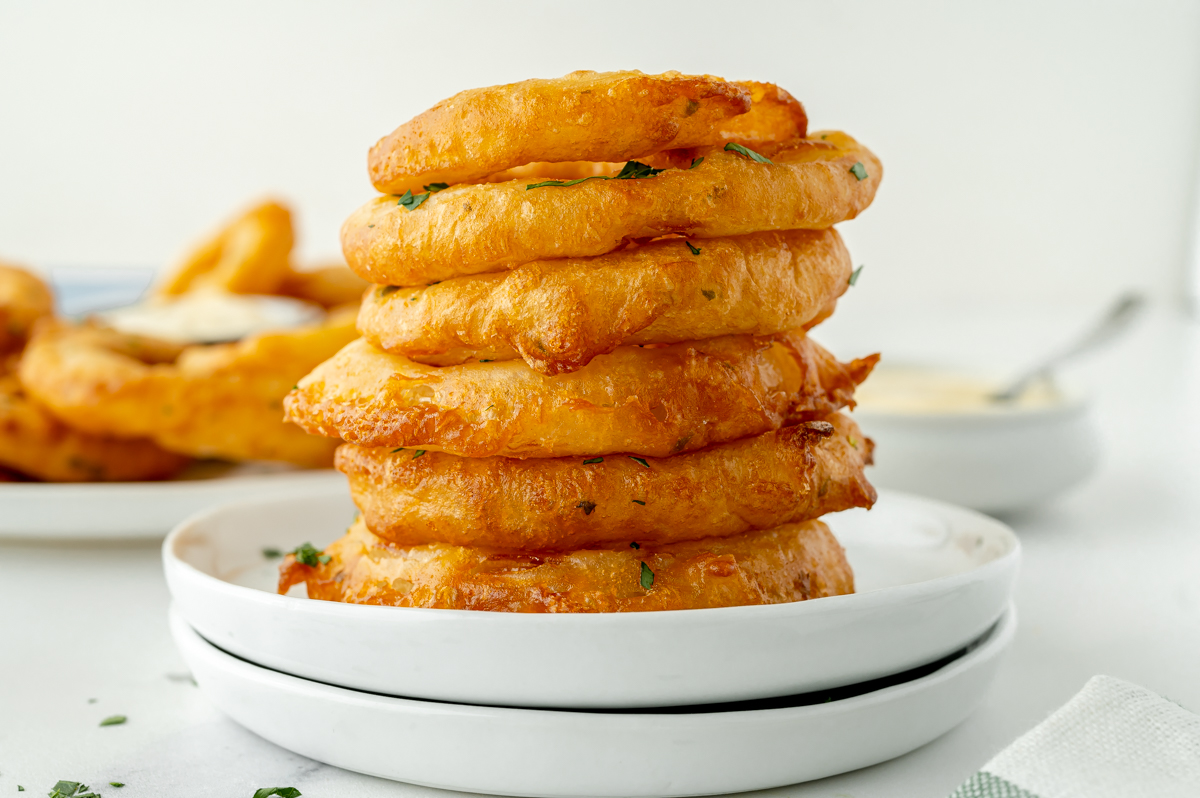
1112 740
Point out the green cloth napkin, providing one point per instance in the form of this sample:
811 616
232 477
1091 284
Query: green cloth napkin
1112 740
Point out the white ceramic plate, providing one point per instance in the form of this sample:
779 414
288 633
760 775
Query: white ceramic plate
932 577
123 510
538 752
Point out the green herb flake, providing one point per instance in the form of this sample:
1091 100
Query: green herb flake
113 720
859 171
854 274
695 250
20 788
272 554
639 501
634 545
640 461
418 453
309 555
388 289
486 361
116 784
632 170
436 187
586 506
696 162
282 792
398 450
68 789
749 153
851 440
593 460
647 577
708 294
412 201
296 387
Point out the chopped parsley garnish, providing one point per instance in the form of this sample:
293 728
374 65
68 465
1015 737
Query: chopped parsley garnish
388 289
634 545
418 453
436 187
485 361
647 577
695 250
640 461
296 387
116 784
593 460
632 170
749 153
850 440
282 792
113 720
68 789
639 501
854 274
310 555
859 171
586 506
398 450
708 294
412 201
272 554
696 162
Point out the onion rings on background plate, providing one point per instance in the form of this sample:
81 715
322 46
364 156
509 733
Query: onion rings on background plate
469 229
792 562
653 401
221 401
797 473
24 298
559 314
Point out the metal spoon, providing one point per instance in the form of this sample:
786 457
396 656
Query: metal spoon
1116 321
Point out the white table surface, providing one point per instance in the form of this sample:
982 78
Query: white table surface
1110 584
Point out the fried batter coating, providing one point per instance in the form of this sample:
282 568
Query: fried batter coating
36 444
24 298
792 562
470 229
797 473
327 286
249 255
653 401
559 314
592 116
223 400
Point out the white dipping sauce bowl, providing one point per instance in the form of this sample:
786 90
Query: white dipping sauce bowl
995 459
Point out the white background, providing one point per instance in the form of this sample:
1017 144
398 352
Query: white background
1034 151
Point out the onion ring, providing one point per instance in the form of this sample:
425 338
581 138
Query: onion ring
793 562
653 401
36 444
592 116
24 298
249 255
559 314
789 475
327 286
223 400
470 229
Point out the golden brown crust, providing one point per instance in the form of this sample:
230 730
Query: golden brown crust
327 286
249 255
591 116
792 562
223 400
34 443
794 474
559 314
471 229
654 401
24 298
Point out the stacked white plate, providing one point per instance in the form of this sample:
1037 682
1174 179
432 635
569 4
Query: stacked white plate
693 702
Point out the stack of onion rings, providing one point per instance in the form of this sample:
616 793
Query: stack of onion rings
589 331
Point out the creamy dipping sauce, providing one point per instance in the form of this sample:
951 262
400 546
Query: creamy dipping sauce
930 391
205 317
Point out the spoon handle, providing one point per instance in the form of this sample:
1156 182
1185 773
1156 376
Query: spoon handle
1115 322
